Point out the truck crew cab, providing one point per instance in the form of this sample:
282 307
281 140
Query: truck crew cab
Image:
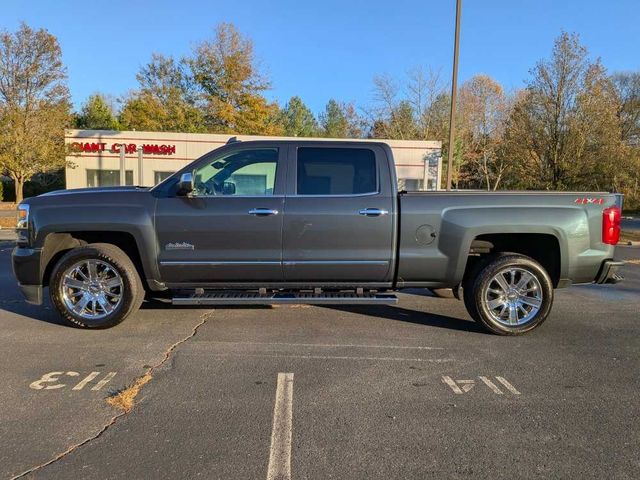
309 222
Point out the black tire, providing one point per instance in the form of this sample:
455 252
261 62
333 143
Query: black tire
131 291
477 285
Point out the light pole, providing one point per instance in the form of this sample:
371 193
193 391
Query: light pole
454 91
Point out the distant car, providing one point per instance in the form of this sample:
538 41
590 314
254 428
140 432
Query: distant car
318 222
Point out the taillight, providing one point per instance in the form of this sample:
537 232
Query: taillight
611 225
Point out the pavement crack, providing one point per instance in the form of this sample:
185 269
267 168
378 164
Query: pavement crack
124 400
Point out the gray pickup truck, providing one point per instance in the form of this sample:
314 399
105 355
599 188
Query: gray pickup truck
317 222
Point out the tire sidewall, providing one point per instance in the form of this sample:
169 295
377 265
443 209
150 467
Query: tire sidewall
484 278
105 255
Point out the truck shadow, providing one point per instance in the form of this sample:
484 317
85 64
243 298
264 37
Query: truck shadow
410 316
378 311
46 313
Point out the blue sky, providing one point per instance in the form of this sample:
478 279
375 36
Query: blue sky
329 48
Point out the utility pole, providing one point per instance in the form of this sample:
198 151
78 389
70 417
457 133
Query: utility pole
454 92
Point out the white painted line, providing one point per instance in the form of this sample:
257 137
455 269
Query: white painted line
334 357
107 378
86 380
331 345
491 385
509 387
449 381
280 453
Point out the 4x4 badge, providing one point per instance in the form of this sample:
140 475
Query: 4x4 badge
589 201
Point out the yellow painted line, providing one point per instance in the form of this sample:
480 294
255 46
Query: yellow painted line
635 261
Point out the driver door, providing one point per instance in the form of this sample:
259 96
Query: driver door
230 228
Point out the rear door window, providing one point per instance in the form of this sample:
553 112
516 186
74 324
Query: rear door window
336 171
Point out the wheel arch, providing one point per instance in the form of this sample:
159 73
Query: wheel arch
57 244
544 248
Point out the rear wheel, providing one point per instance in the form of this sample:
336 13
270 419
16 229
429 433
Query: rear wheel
509 294
95 286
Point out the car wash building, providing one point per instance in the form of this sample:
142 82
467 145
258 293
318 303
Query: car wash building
95 157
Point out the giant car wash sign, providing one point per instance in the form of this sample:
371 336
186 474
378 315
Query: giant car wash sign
147 148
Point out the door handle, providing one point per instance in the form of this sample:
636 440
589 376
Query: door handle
262 212
372 212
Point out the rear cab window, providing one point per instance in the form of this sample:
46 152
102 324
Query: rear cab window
336 171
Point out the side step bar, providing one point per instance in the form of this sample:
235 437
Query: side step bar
255 298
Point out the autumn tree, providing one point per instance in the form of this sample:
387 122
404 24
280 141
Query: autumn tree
166 99
565 130
298 120
230 86
627 85
34 104
546 119
97 114
482 111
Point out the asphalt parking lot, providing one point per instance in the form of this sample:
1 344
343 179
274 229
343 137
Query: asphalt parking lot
411 391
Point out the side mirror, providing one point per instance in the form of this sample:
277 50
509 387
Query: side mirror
228 188
185 185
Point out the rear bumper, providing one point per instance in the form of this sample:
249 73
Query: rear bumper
609 272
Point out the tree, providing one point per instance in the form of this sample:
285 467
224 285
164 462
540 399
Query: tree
565 131
34 104
483 108
298 120
230 86
627 86
340 120
333 121
426 93
550 111
392 117
166 99
97 114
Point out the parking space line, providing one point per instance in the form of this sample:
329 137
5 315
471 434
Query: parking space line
332 345
280 453
491 385
508 385
334 357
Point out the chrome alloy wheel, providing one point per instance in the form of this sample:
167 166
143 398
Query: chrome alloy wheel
513 296
91 289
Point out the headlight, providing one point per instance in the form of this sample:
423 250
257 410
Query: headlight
23 216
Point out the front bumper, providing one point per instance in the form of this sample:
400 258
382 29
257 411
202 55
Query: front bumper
27 270
609 272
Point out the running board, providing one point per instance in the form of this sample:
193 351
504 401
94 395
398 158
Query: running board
255 298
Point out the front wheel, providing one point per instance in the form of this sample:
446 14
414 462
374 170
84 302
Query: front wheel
509 294
95 286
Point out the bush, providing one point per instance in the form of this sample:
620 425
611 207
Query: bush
1 190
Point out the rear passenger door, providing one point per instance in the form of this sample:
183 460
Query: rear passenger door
339 215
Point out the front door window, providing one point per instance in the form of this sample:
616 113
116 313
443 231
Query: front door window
241 173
